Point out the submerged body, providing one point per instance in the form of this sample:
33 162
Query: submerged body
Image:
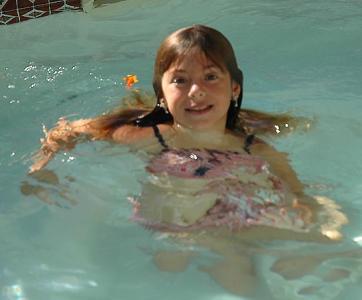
190 189
216 188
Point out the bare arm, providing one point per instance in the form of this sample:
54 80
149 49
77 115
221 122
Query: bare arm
279 165
64 136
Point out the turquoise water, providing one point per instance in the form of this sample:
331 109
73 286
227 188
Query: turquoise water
299 56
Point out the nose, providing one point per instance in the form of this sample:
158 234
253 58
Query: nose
196 92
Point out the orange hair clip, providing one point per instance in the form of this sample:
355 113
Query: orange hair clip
130 80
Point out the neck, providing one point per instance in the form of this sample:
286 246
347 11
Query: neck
203 137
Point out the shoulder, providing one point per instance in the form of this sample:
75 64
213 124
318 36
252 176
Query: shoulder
130 134
279 164
262 148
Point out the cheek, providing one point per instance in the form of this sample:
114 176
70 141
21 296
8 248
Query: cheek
173 95
173 103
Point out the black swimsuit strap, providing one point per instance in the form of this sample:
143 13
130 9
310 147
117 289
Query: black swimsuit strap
159 136
248 141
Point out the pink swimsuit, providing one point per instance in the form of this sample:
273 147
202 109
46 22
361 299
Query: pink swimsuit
247 192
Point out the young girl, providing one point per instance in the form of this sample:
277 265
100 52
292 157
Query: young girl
208 171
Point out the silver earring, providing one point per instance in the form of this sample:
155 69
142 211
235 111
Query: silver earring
163 105
235 100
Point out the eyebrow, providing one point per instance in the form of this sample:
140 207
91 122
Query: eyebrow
205 68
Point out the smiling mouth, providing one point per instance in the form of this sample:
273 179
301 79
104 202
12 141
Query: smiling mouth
199 110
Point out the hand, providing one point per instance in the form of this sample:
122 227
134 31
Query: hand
41 159
60 137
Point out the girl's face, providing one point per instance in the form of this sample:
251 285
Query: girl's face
198 93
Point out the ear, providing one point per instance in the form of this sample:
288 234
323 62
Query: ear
162 100
235 87
163 105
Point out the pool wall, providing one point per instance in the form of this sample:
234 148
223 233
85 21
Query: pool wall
15 11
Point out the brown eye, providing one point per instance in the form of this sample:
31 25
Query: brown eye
210 77
178 80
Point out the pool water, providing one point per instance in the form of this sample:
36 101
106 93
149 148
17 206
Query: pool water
302 57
